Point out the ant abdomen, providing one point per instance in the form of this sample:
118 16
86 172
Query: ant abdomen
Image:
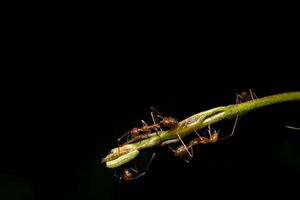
169 122
180 151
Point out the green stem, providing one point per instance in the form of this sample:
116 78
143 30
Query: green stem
118 156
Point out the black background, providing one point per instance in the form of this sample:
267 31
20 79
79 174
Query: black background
62 118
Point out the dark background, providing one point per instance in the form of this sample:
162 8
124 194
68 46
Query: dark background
61 118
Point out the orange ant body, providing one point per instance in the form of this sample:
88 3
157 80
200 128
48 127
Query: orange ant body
126 176
167 122
128 173
183 150
146 129
159 122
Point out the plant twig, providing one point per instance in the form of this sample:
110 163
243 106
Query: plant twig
121 155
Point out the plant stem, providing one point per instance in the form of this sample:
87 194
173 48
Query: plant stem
193 123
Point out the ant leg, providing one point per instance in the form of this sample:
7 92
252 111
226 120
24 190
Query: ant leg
144 123
233 129
292 127
198 134
153 109
147 131
150 161
192 150
200 137
171 149
134 170
146 170
154 118
238 98
192 154
234 126
252 94
209 131
184 146
155 122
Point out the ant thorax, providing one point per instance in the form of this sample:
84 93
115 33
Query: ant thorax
183 150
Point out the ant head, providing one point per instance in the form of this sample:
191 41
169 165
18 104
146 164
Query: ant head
126 176
215 136
134 132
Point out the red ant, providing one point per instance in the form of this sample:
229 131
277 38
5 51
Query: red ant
167 122
158 122
183 150
130 173
245 96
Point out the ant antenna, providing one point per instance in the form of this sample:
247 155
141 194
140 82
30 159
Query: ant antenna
155 122
144 123
153 109
120 138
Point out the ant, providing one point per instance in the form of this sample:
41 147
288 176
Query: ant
167 122
159 121
183 150
130 174
245 96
